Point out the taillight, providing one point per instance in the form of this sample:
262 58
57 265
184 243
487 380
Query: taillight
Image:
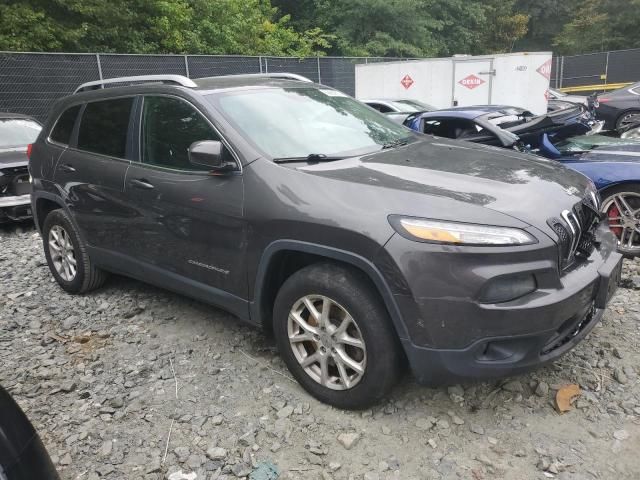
603 99
29 149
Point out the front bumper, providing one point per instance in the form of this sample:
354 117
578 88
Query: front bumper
15 208
452 337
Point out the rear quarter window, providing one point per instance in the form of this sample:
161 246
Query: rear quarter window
61 132
104 126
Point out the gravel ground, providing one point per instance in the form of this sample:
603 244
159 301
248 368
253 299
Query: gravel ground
132 382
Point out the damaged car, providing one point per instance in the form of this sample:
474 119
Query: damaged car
16 133
613 164
363 246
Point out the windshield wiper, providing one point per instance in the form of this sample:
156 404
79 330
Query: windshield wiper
312 157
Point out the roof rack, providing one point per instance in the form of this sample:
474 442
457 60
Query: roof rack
283 75
171 79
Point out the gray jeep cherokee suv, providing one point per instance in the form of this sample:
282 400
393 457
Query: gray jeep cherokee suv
360 244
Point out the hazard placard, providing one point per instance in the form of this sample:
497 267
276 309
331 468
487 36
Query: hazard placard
406 82
471 82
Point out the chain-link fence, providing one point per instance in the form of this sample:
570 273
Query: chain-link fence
597 69
31 82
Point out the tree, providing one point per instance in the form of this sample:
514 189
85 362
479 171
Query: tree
248 27
601 25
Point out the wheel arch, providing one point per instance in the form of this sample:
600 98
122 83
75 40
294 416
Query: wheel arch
43 204
282 258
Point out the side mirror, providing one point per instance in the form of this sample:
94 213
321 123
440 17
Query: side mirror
209 154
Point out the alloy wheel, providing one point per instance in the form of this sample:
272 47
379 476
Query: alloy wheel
62 253
628 119
327 342
623 211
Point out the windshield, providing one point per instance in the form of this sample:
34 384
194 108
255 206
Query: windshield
412 106
300 121
18 132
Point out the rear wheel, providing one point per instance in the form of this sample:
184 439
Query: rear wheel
622 207
628 118
335 336
67 255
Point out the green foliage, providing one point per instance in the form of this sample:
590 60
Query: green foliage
601 25
247 27
399 28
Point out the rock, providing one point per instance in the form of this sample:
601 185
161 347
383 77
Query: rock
371 476
66 459
513 386
216 420
241 469
285 412
116 402
620 376
542 389
182 453
68 386
334 466
182 476
348 440
477 429
424 424
106 448
621 435
216 453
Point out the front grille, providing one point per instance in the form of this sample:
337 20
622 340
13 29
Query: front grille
576 229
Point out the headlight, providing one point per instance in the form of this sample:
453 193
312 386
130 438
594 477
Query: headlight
436 231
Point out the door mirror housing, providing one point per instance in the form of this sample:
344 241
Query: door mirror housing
211 155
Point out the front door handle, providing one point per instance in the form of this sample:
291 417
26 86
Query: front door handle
65 167
141 183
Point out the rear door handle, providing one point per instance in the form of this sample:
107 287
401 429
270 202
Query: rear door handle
65 167
141 183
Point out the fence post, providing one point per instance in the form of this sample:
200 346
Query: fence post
266 65
606 70
260 60
319 77
561 72
99 66
186 66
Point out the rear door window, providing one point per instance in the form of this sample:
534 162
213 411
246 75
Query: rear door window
63 128
104 127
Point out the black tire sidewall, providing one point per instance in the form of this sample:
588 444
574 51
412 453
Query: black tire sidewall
59 217
362 302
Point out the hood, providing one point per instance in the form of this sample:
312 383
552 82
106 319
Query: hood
601 148
13 158
468 176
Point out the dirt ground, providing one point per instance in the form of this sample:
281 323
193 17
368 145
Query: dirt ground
132 382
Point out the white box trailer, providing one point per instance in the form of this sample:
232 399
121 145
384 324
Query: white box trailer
517 79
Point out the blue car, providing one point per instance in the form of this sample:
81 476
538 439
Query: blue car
613 164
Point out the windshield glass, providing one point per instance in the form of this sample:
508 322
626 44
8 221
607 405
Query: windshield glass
413 106
297 122
18 132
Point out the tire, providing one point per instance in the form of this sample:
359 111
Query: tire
346 291
611 208
86 277
622 119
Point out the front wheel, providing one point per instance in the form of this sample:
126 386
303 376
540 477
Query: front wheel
627 119
622 207
335 336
